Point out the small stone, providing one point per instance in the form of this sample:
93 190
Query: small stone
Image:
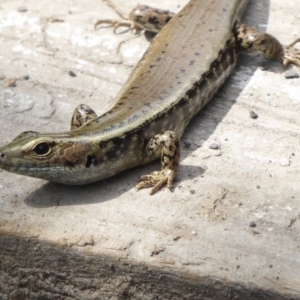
291 73
22 9
252 224
12 82
194 232
214 146
192 192
72 73
26 77
253 114
187 144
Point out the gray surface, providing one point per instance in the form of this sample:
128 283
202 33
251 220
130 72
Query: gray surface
202 228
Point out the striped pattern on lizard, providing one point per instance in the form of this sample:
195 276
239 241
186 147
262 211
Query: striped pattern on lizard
185 65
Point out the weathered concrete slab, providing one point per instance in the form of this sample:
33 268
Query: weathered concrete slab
100 240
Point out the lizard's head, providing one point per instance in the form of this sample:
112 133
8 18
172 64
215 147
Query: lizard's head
51 157
24 151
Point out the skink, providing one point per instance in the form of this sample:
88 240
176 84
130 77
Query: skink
185 65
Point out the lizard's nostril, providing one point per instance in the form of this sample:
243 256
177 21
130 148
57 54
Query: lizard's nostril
2 155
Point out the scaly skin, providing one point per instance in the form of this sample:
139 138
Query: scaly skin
186 64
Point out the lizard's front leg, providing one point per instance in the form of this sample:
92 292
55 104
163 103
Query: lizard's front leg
266 45
82 115
168 147
291 55
141 18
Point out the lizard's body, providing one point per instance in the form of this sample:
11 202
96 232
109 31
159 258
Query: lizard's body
186 64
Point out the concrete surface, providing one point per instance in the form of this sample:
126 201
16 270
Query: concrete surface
198 234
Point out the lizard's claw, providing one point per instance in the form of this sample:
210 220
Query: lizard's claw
157 180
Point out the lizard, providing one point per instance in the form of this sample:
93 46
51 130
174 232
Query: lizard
188 61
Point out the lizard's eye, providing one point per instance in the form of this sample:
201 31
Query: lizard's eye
41 149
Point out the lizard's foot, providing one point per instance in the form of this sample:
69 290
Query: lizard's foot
125 22
117 24
291 54
142 17
157 180
168 147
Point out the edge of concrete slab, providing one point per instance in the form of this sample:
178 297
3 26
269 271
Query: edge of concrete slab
32 269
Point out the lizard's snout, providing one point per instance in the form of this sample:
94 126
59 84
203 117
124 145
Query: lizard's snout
2 155
3 159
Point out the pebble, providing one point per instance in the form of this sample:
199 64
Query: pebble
187 144
252 224
22 9
72 73
253 114
26 77
12 82
214 146
291 73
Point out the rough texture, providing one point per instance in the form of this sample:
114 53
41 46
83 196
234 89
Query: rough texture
52 272
99 241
